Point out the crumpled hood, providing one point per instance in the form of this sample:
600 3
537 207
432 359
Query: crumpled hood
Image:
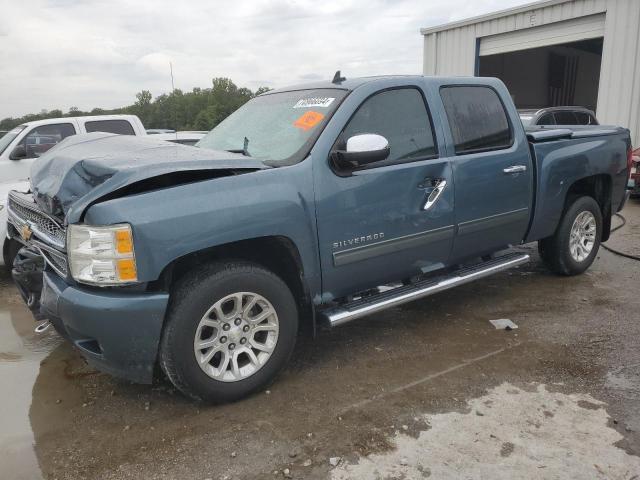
83 168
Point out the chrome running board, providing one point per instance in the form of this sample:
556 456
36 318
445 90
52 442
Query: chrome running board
391 298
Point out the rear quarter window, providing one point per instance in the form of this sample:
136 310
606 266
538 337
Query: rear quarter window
477 119
120 127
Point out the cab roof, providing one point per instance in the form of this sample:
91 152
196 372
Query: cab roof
349 84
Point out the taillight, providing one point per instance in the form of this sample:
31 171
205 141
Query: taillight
629 160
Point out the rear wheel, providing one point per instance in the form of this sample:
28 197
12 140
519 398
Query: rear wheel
574 246
230 329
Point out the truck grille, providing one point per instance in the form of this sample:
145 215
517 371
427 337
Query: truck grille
47 234
23 211
57 260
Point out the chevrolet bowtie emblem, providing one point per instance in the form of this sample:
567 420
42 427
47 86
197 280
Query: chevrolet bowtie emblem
26 232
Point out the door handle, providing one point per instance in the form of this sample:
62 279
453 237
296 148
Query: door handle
435 193
515 169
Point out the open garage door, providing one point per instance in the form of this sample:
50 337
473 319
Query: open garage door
552 65
574 30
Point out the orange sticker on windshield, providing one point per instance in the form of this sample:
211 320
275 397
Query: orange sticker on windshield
308 120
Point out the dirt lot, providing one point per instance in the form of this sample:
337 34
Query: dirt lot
427 390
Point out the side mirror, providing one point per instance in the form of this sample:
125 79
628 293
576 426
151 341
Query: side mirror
18 153
362 149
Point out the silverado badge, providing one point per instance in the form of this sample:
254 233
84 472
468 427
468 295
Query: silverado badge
25 233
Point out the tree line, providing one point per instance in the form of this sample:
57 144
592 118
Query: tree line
199 109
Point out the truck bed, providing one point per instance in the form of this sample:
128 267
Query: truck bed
562 156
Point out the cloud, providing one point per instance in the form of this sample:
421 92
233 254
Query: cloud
99 53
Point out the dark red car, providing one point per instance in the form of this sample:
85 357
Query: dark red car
634 180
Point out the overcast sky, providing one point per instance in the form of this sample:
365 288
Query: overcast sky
99 53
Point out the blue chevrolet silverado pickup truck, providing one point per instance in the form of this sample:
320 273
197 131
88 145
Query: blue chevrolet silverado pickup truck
316 203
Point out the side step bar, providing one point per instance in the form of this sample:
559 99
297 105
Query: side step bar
397 296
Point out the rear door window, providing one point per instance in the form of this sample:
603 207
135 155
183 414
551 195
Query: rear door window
43 138
120 127
477 119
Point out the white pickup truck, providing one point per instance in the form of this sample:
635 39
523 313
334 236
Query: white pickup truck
26 142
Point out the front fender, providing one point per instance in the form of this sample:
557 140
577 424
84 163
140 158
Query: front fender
170 223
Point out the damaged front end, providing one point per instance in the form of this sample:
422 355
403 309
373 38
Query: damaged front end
43 247
85 169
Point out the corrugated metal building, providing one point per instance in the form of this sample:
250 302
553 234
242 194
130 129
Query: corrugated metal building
553 52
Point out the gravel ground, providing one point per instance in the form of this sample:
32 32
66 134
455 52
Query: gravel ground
430 389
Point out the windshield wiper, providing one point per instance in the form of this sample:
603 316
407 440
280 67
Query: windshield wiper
245 148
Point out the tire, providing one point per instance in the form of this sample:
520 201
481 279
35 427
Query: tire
213 292
10 250
564 256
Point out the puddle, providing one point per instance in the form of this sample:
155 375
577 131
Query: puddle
21 351
508 433
626 381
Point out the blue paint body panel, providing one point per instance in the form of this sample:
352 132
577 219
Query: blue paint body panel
116 332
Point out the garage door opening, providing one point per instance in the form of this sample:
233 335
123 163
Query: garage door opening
550 76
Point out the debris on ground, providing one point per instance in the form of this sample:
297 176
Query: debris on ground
503 324
334 461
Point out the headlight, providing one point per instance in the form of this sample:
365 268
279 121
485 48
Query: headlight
101 255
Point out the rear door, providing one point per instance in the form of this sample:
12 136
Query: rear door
491 167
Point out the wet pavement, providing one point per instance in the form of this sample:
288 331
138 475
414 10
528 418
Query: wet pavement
430 389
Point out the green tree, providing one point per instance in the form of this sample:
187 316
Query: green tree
198 109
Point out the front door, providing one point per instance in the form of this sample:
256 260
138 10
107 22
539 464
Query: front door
492 171
385 221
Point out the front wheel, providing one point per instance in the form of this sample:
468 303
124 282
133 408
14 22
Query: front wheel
574 246
230 329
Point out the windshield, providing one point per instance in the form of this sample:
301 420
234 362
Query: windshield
278 127
6 140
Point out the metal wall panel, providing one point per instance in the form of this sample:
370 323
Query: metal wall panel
451 49
619 94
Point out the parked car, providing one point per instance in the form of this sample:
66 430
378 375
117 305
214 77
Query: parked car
634 180
183 138
558 116
297 208
22 145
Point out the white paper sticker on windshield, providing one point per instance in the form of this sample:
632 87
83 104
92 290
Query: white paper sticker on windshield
323 102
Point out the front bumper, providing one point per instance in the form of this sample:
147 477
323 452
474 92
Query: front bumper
117 332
